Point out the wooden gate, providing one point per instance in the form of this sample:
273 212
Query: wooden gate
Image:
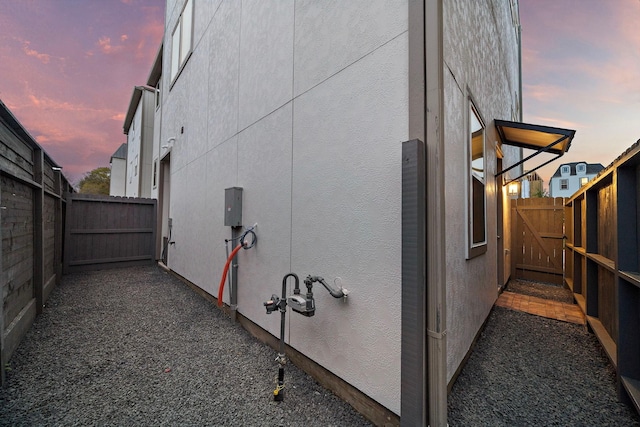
106 232
537 227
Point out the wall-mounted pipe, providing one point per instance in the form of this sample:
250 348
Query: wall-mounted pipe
225 271
244 243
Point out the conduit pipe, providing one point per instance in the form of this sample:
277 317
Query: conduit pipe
243 244
226 270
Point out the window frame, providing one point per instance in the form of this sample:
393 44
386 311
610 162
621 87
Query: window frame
155 173
178 44
564 184
475 247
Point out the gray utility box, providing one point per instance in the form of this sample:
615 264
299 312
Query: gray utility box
233 207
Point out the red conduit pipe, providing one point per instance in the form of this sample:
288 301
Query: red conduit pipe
225 271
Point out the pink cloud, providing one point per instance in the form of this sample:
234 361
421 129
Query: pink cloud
104 43
43 57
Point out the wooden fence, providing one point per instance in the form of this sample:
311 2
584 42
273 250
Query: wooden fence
537 228
603 264
32 208
108 232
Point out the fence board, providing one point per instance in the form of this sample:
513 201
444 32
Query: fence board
108 232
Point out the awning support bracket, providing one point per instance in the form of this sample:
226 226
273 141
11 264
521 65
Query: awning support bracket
542 150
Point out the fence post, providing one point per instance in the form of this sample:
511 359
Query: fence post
2 361
57 227
38 231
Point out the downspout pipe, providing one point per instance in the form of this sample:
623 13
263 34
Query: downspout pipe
435 203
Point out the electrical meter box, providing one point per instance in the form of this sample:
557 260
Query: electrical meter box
233 207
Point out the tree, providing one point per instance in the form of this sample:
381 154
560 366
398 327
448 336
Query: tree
96 182
540 192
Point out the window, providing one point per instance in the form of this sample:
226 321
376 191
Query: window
477 221
583 181
155 173
581 168
565 169
158 94
564 184
181 39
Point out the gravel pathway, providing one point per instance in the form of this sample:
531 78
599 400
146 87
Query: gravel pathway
138 347
532 371
540 290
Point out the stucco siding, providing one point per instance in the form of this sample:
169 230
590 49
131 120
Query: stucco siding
330 38
321 170
347 218
481 62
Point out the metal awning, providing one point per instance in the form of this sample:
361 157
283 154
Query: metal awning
542 139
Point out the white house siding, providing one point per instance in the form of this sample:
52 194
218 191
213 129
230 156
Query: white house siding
304 105
133 154
140 148
147 129
481 60
118 177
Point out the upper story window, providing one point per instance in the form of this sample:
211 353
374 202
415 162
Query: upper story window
477 215
583 181
157 94
565 169
564 184
181 39
581 168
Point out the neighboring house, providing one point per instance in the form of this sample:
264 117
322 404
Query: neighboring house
118 162
569 177
532 185
313 108
138 126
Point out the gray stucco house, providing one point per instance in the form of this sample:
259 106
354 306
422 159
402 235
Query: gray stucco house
372 141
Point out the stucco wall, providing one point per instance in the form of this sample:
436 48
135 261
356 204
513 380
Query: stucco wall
481 61
304 105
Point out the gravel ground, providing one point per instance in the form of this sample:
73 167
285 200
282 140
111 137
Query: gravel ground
532 371
540 290
138 347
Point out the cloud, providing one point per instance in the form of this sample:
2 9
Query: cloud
43 57
104 44
123 37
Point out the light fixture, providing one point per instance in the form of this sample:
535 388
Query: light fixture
512 189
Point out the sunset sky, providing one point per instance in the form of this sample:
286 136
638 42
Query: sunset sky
68 67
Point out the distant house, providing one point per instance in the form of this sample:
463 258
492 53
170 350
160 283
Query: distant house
138 126
532 185
117 186
569 177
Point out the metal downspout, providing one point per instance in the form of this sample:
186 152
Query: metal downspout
436 256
